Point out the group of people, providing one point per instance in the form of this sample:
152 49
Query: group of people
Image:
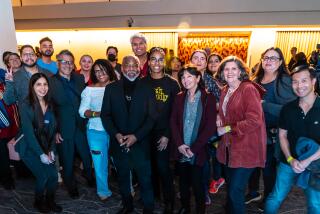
142 117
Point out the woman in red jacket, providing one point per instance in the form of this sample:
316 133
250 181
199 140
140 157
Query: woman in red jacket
241 124
193 121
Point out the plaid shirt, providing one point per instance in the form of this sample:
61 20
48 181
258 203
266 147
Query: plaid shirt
211 85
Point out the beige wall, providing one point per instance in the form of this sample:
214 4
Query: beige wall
8 40
95 42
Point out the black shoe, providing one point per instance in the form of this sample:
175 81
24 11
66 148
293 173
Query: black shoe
52 204
91 183
8 184
168 208
40 204
251 197
74 193
261 206
184 211
125 210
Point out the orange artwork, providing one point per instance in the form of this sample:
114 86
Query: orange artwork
224 45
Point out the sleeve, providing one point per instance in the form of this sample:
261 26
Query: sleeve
253 113
106 112
85 102
149 119
28 129
174 91
10 95
176 136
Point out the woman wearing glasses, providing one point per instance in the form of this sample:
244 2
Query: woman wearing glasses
273 76
101 74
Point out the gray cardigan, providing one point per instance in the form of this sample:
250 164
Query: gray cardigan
283 94
17 90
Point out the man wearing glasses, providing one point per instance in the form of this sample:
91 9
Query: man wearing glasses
127 116
17 83
66 87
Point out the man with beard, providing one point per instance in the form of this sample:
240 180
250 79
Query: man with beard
17 83
66 87
46 50
127 116
139 47
112 56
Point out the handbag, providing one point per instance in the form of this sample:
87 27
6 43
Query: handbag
4 117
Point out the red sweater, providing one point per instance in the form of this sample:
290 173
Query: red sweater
207 126
247 140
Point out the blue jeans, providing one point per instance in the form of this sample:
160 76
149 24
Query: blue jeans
286 178
99 147
237 181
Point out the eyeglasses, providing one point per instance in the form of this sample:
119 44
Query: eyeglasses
28 55
155 60
131 65
64 62
99 72
271 58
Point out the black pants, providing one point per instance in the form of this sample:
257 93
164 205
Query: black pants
161 171
269 174
191 176
46 175
5 171
125 162
67 151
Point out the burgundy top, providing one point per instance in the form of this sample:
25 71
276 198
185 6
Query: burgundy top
207 126
144 71
246 142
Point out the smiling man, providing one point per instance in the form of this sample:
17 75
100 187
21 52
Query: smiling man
66 87
299 118
46 50
139 47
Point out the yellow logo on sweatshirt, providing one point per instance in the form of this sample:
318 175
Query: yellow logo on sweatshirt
160 95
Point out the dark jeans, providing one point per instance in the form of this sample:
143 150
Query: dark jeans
124 164
46 175
67 153
161 169
269 174
237 181
5 171
191 176
216 165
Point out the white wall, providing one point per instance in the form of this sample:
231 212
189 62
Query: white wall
8 40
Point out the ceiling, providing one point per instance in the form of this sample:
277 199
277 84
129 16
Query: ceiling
22 3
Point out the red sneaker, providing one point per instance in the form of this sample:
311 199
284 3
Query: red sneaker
212 187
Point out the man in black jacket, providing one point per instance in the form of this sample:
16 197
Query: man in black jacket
126 115
66 88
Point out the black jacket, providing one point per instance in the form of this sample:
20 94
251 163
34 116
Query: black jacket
139 120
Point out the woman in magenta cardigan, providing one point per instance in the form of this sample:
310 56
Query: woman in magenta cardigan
193 123
241 124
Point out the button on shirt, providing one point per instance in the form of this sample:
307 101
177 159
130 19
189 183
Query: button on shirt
298 124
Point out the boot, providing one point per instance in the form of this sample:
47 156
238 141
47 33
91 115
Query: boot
168 208
52 204
40 204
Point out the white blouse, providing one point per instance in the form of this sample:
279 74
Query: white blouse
91 99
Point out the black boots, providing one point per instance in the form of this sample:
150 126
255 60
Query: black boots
52 204
40 204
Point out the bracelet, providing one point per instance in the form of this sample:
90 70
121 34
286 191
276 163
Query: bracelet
227 129
290 159
93 114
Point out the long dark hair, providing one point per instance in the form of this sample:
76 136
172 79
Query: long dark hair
44 136
282 70
194 72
